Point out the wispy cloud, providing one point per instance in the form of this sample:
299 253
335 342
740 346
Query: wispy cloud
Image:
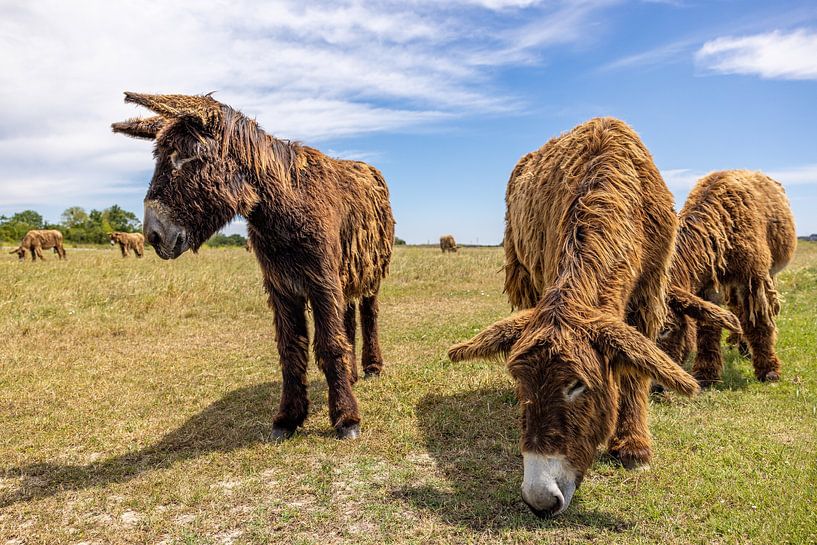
683 179
773 55
308 71
662 55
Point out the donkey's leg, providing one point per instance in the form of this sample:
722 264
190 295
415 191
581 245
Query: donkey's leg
333 352
631 443
736 302
709 360
372 357
350 325
123 250
39 253
293 341
759 328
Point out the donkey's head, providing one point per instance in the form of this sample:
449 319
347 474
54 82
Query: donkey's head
200 181
115 237
565 368
684 310
21 253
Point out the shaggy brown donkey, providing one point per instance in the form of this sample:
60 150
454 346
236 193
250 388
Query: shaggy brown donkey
589 229
38 240
736 233
321 229
129 241
448 244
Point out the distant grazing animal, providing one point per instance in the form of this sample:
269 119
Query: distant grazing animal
589 229
129 241
321 229
448 244
736 233
38 240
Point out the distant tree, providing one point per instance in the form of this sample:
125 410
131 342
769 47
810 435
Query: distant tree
75 216
28 217
121 220
220 239
399 241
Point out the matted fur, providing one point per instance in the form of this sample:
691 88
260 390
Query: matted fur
736 233
37 240
448 244
321 228
129 242
589 231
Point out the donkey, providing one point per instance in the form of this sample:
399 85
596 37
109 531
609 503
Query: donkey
448 244
736 233
321 229
129 241
589 229
37 240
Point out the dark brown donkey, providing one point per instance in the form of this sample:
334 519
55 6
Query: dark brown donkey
321 229
589 230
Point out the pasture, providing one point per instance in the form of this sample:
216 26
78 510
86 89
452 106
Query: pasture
135 397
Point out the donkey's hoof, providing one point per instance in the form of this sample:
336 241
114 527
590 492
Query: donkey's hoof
634 460
771 376
279 435
352 431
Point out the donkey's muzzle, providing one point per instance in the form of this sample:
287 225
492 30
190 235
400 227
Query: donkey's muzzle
168 239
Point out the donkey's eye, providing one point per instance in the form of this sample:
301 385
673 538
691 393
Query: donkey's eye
574 390
177 162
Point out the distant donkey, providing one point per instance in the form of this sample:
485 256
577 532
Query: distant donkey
38 240
321 229
129 241
448 244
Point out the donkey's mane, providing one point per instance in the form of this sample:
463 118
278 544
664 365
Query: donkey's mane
263 154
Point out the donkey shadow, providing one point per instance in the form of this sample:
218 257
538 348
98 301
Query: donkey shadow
473 439
240 419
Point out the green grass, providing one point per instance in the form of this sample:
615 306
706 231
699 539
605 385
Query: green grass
135 396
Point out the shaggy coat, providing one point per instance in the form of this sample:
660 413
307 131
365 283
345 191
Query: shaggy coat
589 229
448 244
38 240
736 233
128 242
321 229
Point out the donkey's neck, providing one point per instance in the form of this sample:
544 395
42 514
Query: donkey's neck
267 164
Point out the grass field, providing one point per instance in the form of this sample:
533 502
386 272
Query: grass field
135 396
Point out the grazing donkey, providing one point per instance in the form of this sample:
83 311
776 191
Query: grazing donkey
321 229
129 241
448 244
38 240
589 229
736 233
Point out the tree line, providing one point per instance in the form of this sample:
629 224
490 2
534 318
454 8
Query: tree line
92 227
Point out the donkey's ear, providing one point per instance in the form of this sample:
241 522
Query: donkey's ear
684 302
203 109
498 339
146 128
625 344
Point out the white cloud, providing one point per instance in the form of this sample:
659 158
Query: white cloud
801 175
681 179
779 55
685 178
307 71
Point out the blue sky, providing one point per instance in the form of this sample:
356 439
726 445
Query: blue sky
443 97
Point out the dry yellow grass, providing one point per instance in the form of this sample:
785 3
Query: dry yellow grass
135 396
